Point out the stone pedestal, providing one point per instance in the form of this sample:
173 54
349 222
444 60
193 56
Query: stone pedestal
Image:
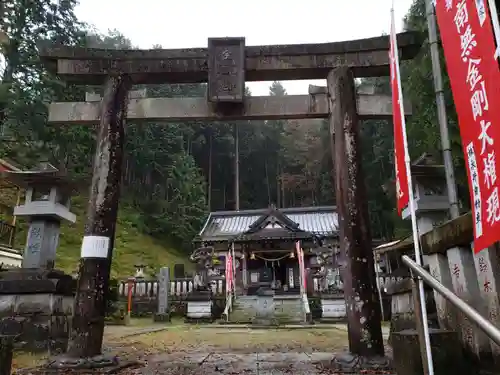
439 269
446 353
466 286
333 308
488 276
199 306
36 306
403 310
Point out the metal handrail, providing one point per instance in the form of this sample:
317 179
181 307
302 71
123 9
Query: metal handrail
489 329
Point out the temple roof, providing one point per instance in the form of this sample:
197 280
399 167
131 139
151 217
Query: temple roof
270 223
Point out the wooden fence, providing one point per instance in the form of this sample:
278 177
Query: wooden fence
145 293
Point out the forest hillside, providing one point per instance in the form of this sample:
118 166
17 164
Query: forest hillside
176 173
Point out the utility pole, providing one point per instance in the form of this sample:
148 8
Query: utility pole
441 109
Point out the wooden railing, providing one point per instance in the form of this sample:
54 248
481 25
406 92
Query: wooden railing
145 293
7 232
179 288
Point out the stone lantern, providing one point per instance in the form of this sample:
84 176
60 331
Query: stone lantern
430 193
39 295
139 271
199 301
46 205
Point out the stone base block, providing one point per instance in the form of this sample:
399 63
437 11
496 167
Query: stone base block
348 363
446 353
162 318
95 365
36 306
199 320
199 309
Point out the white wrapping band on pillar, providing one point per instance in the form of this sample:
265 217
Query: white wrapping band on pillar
95 247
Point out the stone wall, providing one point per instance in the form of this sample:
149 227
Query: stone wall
41 321
403 307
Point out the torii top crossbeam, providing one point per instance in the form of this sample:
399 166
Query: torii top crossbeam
366 57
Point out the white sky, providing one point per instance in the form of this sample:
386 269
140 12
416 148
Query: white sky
185 24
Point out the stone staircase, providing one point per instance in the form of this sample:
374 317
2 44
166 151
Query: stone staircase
244 310
267 310
288 309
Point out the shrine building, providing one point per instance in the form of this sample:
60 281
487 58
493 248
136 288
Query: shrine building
265 244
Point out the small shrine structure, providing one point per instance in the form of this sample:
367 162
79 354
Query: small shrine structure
265 244
273 258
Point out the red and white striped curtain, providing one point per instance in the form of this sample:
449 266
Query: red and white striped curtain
302 268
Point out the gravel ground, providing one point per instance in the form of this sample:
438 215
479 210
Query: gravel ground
209 349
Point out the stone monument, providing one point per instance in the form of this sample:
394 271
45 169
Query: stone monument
36 301
163 313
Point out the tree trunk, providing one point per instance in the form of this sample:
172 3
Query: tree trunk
278 188
282 192
224 197
10 49
236 168
210 156
357 264
87 327
268 185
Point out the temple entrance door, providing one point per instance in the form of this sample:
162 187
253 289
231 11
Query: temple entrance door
279 274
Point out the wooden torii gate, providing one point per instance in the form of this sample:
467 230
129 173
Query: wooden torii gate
226 65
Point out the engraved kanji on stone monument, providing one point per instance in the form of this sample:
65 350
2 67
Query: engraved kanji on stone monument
226 70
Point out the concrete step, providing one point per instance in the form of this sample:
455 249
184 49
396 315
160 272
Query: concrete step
288 310
284 310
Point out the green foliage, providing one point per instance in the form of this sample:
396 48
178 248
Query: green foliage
423 129
131 244
182 213
175 173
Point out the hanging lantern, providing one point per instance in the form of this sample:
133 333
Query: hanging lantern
292 254
252 256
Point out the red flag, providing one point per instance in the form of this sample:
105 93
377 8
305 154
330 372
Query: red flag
469 49
398 121
229 272
302 269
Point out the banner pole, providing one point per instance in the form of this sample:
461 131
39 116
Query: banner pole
416 239
441 111
496 26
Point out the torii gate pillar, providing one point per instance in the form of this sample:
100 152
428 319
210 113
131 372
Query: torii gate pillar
356 260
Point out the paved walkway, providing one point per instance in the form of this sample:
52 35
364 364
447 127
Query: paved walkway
234 363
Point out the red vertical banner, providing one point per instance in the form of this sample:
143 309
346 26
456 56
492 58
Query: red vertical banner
469 48
229 272
302 268
402 194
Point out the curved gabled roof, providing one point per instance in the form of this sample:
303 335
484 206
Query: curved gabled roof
225 225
